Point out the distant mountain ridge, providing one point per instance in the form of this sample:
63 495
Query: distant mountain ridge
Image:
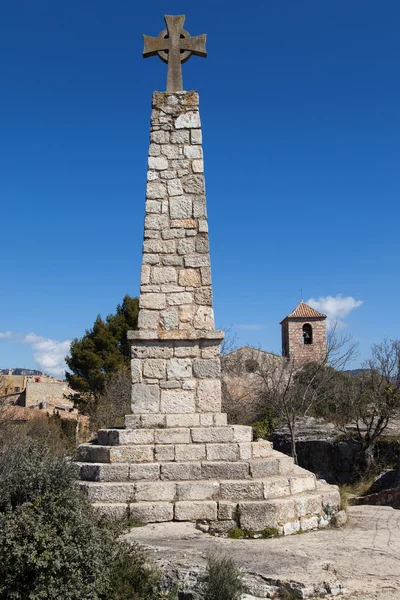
20 371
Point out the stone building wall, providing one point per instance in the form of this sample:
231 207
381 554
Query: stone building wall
292 340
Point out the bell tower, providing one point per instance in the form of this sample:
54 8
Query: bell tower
304 334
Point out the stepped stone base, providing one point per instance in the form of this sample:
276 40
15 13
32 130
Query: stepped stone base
201 473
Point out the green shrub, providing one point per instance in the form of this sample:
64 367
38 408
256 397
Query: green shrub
222 580
52 542
269 532
236 533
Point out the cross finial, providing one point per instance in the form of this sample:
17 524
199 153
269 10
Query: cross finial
174 46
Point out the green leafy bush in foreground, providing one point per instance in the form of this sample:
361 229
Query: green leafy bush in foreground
222 580
52 542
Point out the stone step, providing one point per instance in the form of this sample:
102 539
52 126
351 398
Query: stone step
171 491
147 453
299 512
150 421
275 464
175 435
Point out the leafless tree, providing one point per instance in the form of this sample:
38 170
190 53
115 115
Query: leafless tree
294 390
114 403
372 398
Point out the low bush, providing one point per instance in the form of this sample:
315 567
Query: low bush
222 580
52 543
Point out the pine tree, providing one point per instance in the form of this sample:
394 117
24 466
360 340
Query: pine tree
100 353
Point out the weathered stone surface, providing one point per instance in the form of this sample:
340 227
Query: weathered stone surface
257 515
212 434
242 490
190 452
154 368
145 398
147 512
209 396
177 401
181 207
207 368
188 120
181 472
164 453
197 490
172 436
104 472
193 511
225 470
155 491
179 368
146 472
229 452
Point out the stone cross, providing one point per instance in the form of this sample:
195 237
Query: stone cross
174 46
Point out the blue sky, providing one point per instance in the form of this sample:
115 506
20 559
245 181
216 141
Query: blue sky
300 111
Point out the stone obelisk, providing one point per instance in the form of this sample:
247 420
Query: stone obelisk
177 459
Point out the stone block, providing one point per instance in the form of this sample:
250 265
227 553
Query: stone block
197 490
291 528
180 298
189 384
198 166
267 467
244 450
276 487
177 401
186 349
188 120
302 484
224 470
210 349
286 465
193 184
220 420
164 452
155 190
163 275
156 420
229 452
160 349
132 454
308 504
158 163
159 137
155 491
186 315
308 524
148 512
179 368
227 510
180 207
170 151
207 368
285 510
147 472
180 137
257 515
194 511
197 260
172 260
187 246
172 436
148 319
154 301
331 498
136 436
261 449
174 187
108 492
190 452
156 221
189 277
180 471
184 420
145 398
104 472
242 490
208 397
207 420
196 136
153 206
169 319
242 433
204 318
154 368
212 434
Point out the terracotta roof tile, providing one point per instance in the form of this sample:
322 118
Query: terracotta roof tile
303 311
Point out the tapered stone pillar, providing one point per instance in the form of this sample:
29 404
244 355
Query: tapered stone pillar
176 350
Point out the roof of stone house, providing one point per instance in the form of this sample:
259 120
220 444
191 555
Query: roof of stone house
304 311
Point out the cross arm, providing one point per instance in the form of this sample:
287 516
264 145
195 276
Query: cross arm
153 45
196 44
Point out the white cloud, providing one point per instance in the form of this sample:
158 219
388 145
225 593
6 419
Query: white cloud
6 334
49 354
251 326
336 308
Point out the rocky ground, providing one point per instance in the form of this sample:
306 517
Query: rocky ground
360 561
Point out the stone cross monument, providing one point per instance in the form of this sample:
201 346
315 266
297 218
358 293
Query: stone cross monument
177 458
